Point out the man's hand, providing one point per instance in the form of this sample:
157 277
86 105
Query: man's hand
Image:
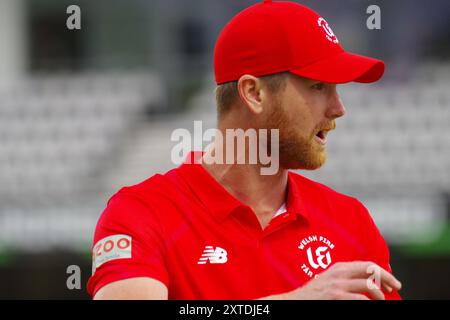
345 281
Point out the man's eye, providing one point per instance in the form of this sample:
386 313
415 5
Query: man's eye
319 86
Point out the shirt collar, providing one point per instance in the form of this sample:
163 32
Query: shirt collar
218 200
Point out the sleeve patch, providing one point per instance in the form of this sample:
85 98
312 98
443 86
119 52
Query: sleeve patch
114 247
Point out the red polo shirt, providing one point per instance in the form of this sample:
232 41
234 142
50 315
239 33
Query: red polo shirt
185 230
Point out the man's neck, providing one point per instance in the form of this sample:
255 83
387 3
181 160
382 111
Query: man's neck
263 193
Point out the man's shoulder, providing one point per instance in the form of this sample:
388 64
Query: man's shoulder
155 189
336 203
321 189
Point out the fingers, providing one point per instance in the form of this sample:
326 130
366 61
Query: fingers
387 287
387 280
362 285
361 269
360 280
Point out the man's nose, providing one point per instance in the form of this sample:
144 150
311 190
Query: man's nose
336 108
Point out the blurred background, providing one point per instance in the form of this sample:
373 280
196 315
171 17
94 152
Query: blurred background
85 112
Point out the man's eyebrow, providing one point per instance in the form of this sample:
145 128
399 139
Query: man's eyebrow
314 82
309 81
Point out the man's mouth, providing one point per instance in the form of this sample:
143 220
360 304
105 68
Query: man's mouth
321 136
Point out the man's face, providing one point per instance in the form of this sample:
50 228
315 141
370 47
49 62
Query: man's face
304 111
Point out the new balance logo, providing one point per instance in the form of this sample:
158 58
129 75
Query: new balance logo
212 255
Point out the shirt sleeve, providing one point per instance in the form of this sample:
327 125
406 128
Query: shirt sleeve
128 243
378 249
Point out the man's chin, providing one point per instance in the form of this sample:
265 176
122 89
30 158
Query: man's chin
311 163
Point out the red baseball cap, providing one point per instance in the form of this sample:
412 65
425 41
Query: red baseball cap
271 37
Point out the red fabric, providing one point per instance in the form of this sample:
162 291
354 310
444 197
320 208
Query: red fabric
280 36
172 218
127 214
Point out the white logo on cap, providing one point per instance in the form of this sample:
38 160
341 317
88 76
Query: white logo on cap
328 32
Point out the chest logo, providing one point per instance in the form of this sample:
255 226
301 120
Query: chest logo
317 250
213 255
321 254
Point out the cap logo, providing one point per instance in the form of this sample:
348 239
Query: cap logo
328 32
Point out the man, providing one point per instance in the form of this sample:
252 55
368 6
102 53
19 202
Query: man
208 230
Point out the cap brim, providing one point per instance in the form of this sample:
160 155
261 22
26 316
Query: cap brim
343 67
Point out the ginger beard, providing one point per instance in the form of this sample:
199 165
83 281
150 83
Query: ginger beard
298 148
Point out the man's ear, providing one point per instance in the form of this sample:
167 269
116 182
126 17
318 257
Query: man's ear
251 92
